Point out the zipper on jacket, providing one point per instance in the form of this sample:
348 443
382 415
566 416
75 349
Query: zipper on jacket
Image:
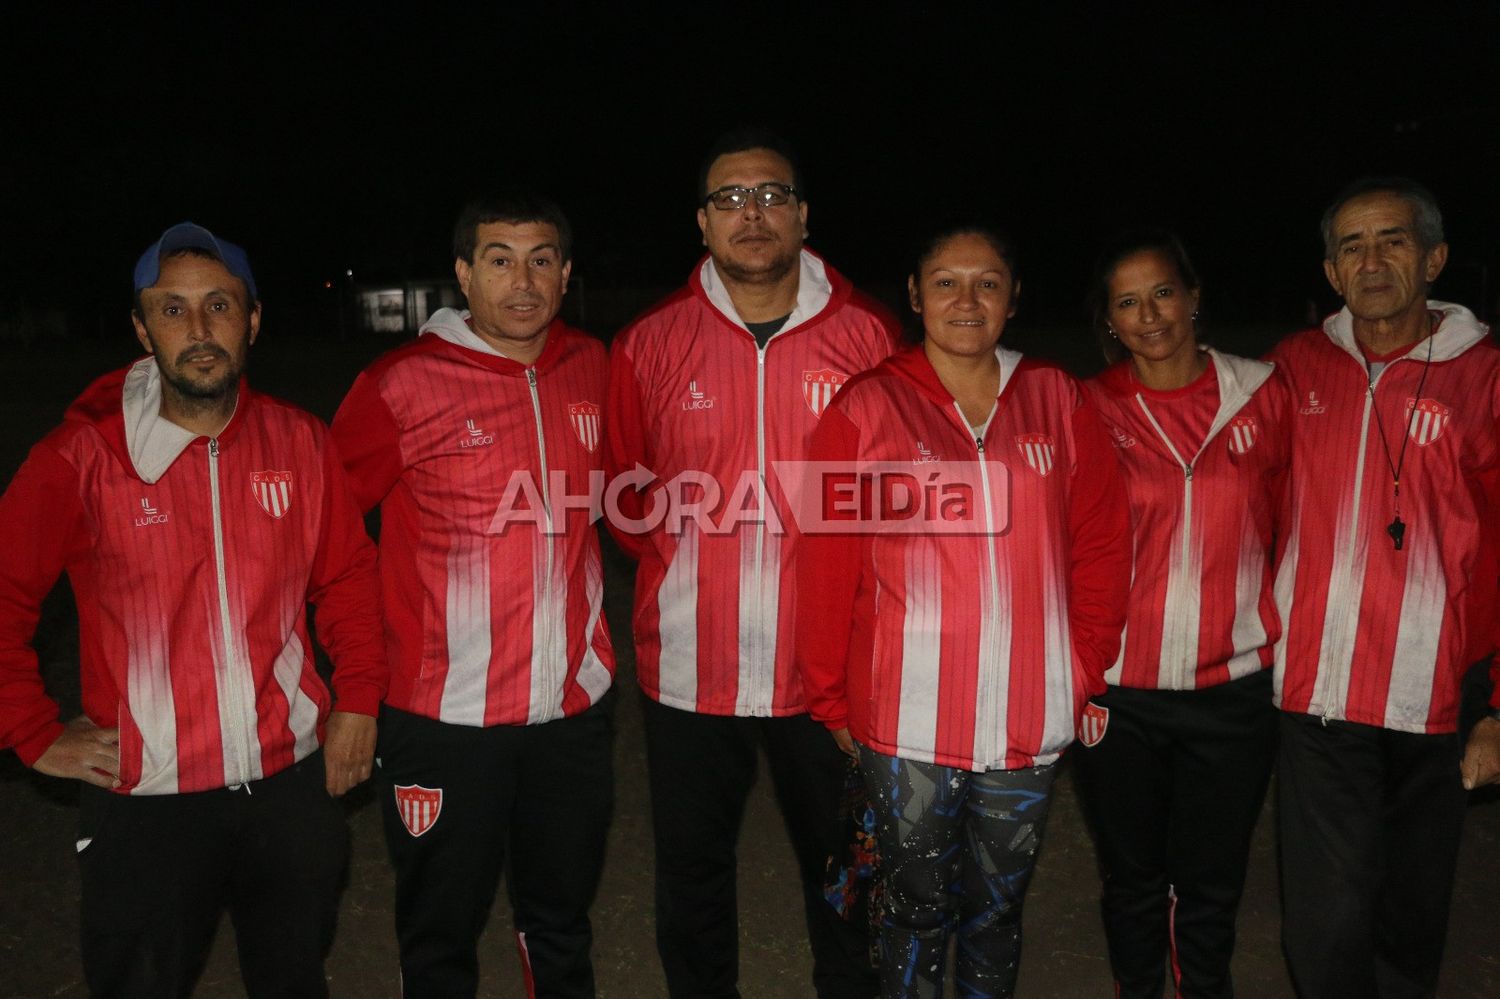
544 610
226 626
1186 667
756 657
1322 690
991 708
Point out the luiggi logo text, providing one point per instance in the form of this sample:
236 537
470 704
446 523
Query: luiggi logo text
150 515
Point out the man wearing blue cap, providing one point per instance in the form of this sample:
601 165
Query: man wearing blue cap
195 519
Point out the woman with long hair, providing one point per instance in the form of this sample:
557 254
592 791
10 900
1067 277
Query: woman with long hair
1176 754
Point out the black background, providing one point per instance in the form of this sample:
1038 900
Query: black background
339 138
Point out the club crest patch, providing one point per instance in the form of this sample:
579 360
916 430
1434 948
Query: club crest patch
1243 433
273 491
1037 449
1428 422
418 806
1092 725
584 416
819 387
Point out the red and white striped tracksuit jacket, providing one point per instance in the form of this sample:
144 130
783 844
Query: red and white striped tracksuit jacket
1372 634
493 617
692 396
192 560
1201 611
979 649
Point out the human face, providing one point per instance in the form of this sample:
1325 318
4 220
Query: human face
964 294
515 285
199 324
1379 266
753 245
1150 309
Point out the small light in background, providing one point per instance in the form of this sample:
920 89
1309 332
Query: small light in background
328 284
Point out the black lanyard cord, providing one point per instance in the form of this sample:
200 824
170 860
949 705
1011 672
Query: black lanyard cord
1397 528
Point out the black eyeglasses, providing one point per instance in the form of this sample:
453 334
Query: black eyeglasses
767 195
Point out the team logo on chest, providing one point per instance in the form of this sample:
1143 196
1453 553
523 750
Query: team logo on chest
1038 451
1120 438
925 455
1243 432
1428 422
819 388
418 806
1093 724
584 416
273 491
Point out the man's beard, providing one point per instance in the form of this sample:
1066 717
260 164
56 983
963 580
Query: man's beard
215 389
770 272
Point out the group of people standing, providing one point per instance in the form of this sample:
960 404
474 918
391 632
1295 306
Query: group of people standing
1193 565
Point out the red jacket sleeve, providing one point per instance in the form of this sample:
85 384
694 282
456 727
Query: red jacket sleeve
1099 532
829 567
625 445
345 589
41 525
369 441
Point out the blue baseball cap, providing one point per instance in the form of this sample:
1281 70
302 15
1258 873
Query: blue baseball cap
186 235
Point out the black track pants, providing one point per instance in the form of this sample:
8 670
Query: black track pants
1173 791
701 770
459 802
1370 824
158 870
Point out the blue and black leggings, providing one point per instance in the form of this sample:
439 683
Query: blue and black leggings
957 849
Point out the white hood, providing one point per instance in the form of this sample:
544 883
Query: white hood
453 325
813 292
154 442
1457 331
1238 377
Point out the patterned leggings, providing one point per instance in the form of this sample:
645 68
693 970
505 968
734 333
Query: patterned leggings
957 849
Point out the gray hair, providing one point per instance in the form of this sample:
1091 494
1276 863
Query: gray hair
1426 216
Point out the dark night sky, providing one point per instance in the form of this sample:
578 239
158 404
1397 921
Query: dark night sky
349 138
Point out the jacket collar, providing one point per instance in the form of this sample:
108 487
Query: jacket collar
912 365
452 326
1238 378
820 288
152 441
1457 331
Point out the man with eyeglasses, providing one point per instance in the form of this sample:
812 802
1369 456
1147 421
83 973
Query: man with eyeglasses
716 385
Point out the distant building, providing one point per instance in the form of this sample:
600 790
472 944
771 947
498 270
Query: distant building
396 309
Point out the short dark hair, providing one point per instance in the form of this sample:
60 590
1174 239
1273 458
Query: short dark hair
1427 217
187 251
1128 244
513 207
744 139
